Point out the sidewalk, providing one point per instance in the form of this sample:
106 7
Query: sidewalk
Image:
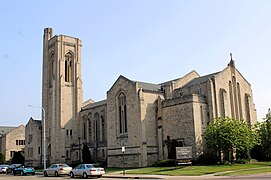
119 175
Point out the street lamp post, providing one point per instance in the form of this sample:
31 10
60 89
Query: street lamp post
123 150
44 135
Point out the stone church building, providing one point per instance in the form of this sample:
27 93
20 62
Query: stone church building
142 117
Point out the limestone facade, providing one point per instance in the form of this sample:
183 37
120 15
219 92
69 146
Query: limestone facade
94 130
33 143
13 141
61 94
142 117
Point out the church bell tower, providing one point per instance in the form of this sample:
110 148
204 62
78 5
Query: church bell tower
61 95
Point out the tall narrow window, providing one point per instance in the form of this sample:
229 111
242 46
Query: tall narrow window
103 129
235 98
68 67
84 131
90 127
222 102
39 150
247 104
51 69
97 126
122 113
239 100
231 100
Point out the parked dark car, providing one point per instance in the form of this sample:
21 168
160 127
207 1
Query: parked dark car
11 168
23 170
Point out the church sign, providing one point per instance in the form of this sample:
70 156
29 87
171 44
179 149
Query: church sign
184 153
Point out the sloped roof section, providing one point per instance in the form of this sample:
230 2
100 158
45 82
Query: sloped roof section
149 86
5 129
180 78
202 79
94 104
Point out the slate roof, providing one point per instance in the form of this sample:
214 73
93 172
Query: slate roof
149 86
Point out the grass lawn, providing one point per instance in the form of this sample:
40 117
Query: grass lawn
247 172
111 169
200 170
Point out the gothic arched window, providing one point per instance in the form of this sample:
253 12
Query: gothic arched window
68 67
90 127
97 126
223 95
103 128
51 69
122 113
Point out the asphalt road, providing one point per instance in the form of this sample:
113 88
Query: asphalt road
40 177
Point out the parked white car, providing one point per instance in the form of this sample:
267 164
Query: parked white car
3 168
86 170
57 169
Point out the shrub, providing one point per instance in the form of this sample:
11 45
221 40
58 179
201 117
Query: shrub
242 161
165 163
207 159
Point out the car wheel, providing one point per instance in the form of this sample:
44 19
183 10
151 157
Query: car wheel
99 176
56 174
33 174
14 173
85 175
71 175
21 173
45 174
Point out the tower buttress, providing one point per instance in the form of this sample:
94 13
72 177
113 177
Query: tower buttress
61 93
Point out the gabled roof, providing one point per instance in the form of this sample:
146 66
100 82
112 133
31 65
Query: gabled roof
36 121
174 80
143 85
87 103
202 79
121 77
94 104
5 129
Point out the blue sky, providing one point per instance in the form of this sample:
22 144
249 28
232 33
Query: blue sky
145 40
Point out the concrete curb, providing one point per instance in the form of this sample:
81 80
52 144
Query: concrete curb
130 177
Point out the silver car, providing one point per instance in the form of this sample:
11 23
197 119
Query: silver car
86 170
57 169
3 168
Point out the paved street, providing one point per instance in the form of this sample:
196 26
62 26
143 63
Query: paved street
208 177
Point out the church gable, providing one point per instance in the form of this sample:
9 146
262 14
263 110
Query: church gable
120 81
234 95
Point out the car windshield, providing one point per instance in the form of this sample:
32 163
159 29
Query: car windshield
63 165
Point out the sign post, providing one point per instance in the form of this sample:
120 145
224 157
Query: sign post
123 150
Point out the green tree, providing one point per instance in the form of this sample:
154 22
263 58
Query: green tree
2 158
264 130
86 154
226 135
18 158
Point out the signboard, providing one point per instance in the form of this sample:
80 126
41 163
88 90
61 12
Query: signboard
184 152
123 149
